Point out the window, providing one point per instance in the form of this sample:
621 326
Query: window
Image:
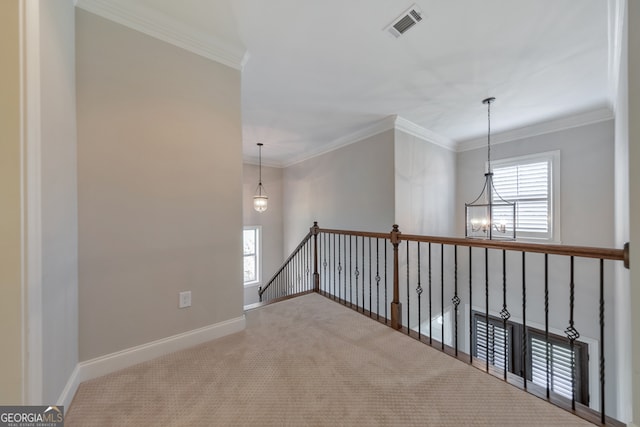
559 365
529 181
508 341
251 244
495 343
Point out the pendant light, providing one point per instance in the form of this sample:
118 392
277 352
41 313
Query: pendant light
260 199
489 216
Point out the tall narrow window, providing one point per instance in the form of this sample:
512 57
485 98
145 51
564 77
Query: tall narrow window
251 244
530 181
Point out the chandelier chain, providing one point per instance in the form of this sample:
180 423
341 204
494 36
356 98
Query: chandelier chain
260 163
489 135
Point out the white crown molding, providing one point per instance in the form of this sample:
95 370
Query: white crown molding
418 131
250 160
388 123
164 28
563 123
399 123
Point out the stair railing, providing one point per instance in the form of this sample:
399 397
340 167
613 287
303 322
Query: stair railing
507 308
295 276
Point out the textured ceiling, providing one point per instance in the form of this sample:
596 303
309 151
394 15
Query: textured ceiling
318 71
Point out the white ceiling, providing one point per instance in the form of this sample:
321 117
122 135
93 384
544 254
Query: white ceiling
316 72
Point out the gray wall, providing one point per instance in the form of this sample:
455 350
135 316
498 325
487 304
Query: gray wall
586 180
270 221
11 245
425 186
160 187
350 188
59 196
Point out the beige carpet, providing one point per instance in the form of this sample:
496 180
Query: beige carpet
308 362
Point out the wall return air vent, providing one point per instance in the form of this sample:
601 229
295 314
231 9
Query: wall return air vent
406 20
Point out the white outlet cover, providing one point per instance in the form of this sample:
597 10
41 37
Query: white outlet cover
184 299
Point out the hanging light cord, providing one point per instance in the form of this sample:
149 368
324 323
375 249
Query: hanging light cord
489 133
260 162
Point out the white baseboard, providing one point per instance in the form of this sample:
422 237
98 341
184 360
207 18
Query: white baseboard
113 362
70 389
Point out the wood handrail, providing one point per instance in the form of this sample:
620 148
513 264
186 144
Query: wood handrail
552 249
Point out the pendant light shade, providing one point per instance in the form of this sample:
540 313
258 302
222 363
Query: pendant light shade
260 200
489 216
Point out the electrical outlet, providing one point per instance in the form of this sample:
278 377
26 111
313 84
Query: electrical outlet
184 299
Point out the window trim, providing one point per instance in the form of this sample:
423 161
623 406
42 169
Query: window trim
258 254
553 157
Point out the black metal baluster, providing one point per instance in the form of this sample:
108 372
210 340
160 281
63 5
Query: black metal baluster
504 313
419 292
377 278
546 320
470 309
310 264
430 299
344 242
573 335
455 300
334 267
408 293
524 321
486 303
386 316
324 262
442 294
602 401
339 268
363 271
350 272
370 267
357 273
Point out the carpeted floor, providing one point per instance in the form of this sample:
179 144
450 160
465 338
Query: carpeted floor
308 362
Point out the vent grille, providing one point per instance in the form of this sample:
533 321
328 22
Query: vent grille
406 20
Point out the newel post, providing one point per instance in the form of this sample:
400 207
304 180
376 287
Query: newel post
315 230
395 304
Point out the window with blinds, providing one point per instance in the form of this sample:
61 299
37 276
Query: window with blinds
560 361
502 347
492 344
528 181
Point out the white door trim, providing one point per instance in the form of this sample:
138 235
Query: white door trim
30 152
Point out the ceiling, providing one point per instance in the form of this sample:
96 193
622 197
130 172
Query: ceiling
320 74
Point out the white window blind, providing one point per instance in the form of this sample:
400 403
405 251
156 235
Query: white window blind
494 348
527 181
559 366
491 347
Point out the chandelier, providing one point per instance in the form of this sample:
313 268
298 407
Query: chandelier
489 216
260 199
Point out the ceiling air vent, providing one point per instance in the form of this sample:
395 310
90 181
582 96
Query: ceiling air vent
406 20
